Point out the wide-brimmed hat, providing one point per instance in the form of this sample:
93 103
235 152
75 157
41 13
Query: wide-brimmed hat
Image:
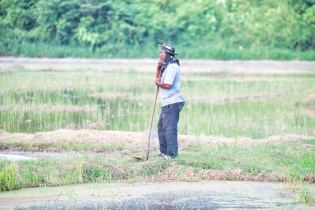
168 48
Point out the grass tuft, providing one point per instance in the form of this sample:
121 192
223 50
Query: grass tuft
8 178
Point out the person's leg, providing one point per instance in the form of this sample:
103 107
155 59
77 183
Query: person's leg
161 135
180 107
170 115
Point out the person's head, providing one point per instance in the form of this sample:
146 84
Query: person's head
166 49
162 54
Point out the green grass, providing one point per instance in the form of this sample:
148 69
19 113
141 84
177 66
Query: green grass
73 170
218 103
234 53
255 106
285 158
8 178
286 161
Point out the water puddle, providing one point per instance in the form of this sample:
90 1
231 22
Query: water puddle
168 196
174 201
29 156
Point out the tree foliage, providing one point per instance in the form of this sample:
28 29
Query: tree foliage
108 25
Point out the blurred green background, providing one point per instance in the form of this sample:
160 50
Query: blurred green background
208 29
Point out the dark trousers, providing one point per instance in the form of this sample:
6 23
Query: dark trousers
167 128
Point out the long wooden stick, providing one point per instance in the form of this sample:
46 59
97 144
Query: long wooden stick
152 115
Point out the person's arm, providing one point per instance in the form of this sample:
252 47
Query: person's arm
162 84
158 77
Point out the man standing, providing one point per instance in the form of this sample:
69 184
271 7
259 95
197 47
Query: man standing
168 79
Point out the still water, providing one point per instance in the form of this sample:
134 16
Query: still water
167 195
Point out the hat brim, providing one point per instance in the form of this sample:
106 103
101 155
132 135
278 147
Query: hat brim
166 50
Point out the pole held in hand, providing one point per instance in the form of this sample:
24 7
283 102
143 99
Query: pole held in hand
150 127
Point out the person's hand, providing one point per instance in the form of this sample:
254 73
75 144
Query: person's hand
159 65
157 80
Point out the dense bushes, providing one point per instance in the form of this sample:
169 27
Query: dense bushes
105 28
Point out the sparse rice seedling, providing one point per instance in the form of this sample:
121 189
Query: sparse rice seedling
230 103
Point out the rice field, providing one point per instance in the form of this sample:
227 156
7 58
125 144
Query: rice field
84 121
227 99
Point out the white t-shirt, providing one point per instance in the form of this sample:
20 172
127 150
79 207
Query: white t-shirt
171 76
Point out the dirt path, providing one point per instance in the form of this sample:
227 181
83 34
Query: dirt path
68 64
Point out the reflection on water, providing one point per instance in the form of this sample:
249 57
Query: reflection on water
172 201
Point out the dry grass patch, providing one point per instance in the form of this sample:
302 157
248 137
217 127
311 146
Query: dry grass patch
310 98
122 141
187 173
110 95
72 140
48 108
309 104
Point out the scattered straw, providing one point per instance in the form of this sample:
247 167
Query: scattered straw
130 139
310 98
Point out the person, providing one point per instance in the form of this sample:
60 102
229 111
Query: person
168 78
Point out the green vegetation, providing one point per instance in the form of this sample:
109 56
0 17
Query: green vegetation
219 103
8 178
260 161
222 103
197 162
221 29
77 169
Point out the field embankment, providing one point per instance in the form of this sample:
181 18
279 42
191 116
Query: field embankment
105 156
